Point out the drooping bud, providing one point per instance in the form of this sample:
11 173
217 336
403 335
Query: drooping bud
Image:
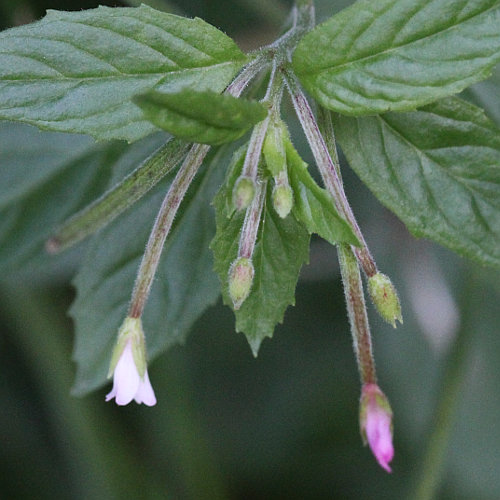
274 147
385 298
375 420
240 280
129 367
282 200
243 192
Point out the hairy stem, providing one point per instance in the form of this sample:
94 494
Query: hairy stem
356 309
328 169
238 85
115 201
252 220
172 201
162 226
273 97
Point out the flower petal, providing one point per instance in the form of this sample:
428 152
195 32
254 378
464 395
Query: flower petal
376 424
379 436
145 393
126 379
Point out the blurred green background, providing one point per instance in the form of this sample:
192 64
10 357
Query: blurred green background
284 425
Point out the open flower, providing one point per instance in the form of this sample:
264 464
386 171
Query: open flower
128 366
376 424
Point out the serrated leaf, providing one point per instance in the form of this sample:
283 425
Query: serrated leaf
282 248
45 178
437 169
184 286
203 117
313 206
78 71
396 55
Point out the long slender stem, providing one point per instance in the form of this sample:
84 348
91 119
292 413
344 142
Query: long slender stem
303 19
172 201
254 150
325 126
236 87
252 220
356 309
162 226
112 203
328 169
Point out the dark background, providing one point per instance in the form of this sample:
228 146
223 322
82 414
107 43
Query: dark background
284 425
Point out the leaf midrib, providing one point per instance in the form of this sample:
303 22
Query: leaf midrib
114 77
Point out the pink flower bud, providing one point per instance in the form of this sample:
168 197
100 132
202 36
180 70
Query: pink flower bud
376 424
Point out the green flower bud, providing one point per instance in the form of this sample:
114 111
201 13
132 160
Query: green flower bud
243 192
385 298
274 148
240 280
130 331
282 200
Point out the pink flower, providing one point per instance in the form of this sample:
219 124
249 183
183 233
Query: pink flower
376 424
128 384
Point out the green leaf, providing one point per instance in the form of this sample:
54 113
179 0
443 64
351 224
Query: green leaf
487 95
313 206
282 248
396 55
120 197
204 117
45 178
78 71
184 287
28 158
437 168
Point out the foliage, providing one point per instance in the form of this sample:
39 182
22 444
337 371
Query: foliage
120 75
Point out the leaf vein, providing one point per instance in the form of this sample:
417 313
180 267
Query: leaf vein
409 43
422 153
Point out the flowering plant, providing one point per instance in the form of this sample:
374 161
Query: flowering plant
380 78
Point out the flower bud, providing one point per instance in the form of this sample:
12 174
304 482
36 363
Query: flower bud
385 298
243 192
282 200
129 368
240 280
274 147
375 419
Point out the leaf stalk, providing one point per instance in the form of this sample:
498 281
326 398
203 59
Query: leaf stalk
328 168
115 201
162 226
358 318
